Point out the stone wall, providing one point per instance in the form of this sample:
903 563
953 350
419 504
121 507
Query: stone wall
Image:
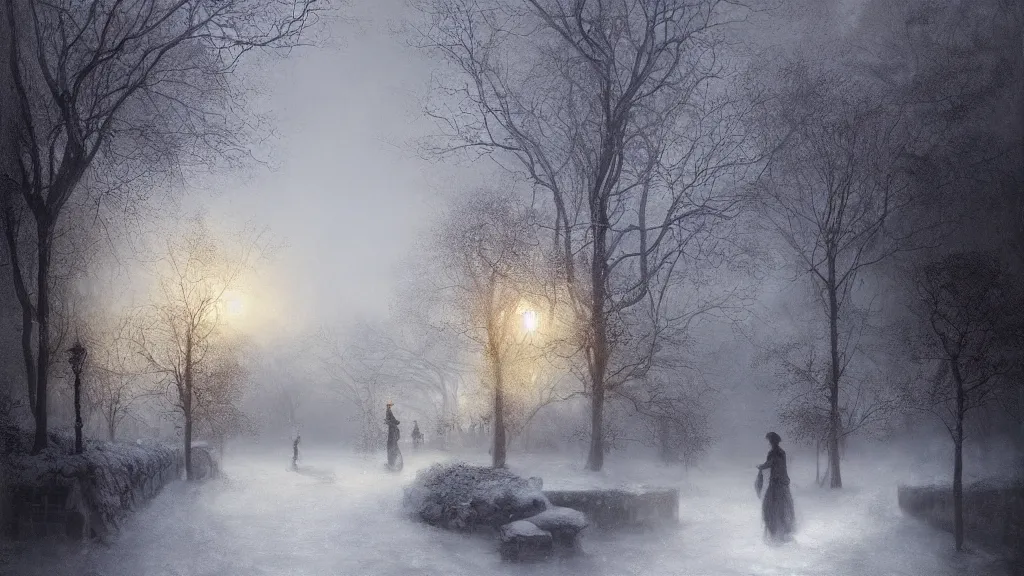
80 496
993 514
611 509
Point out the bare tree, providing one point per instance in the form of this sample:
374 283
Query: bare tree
219 385
117 372
184 332
492 277
673 402
289 398
427 363
133 87
620 114
798 359
357 364
839 193
970 342
544 384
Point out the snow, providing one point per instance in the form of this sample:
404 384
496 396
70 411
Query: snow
343 514
522 528
109 467
557 517
458 496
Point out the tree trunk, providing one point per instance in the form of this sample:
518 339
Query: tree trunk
836 479
958 490
188 444
78 414
27 329
665 440
499 446
958 460
21 291
43 319
187 406
598 317
595 461
111 428
599 361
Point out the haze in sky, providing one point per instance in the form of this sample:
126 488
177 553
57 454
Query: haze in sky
346 192
755 244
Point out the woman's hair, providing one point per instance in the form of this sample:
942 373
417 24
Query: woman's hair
773 438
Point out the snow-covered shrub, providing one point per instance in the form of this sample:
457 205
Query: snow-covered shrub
463 497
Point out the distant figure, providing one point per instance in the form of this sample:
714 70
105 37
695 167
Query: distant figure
777 506
417 436
295 453
394 454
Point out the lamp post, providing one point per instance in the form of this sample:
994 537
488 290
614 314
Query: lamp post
77 359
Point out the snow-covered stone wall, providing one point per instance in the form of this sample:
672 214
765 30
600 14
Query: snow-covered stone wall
993 513
57 493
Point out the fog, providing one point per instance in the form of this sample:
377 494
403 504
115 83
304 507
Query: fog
607 246
341 515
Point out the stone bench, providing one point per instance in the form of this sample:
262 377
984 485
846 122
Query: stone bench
622 508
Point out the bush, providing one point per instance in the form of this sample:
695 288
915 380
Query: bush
463 497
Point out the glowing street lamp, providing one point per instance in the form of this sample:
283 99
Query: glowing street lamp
233 305
530 321
77 355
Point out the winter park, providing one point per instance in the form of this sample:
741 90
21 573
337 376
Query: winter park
481 287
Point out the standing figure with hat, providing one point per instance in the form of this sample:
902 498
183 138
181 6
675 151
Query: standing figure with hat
394 455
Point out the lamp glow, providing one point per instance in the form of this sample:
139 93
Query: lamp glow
530 321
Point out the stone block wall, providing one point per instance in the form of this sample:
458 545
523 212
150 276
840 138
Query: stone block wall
72 509
57 493
43 511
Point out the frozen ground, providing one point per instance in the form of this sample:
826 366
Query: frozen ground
341 516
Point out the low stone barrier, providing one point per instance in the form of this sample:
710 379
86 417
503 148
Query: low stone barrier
85 495
993 514
620 508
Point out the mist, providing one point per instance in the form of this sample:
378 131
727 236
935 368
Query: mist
424 286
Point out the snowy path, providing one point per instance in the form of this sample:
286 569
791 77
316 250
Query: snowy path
341 516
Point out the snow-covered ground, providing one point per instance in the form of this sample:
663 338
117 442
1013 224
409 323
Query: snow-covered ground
341 515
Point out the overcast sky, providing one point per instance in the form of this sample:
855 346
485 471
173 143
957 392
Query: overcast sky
348 193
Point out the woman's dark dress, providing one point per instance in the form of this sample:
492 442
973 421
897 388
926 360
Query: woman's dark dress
393 434
777 506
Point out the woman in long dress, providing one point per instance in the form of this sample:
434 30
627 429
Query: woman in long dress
777 506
